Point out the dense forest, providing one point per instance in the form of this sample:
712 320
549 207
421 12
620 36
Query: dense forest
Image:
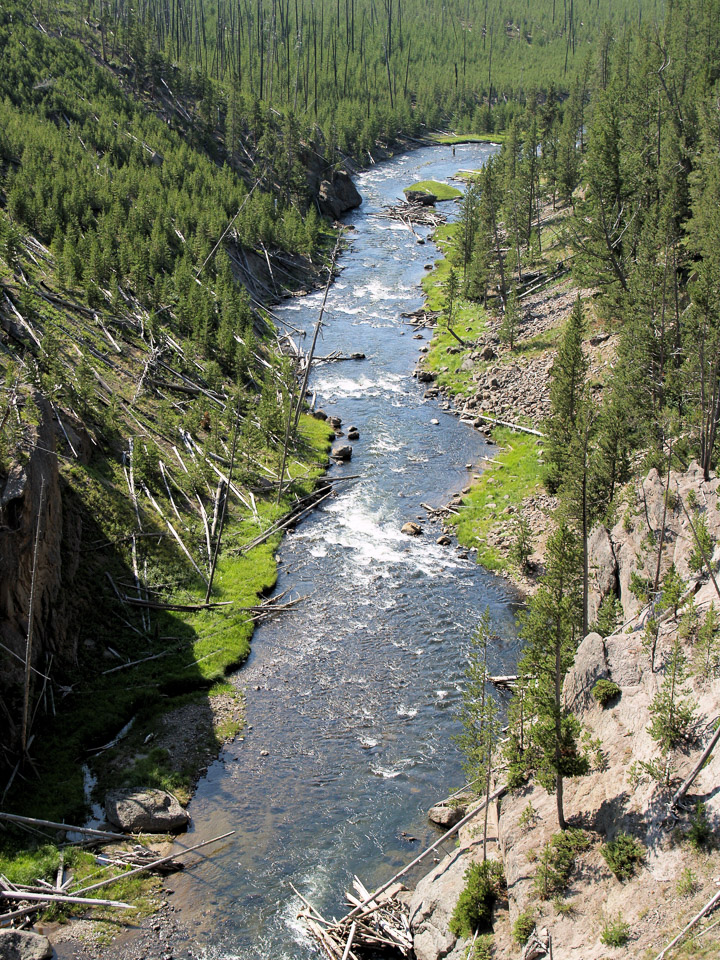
160 165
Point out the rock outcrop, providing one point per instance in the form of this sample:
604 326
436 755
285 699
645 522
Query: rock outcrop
30 493
146 811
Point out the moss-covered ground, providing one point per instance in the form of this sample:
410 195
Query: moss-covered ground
442 191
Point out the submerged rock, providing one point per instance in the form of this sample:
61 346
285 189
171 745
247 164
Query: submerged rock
149 811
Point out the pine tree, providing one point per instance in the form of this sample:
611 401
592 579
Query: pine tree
479 717
567 396
551 629
510 321
672 714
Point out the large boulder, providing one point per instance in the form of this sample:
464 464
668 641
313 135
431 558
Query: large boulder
337 196
590 666
431 907
147 811
603 570
423 197
343 453
24 945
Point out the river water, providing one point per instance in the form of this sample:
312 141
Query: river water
352 695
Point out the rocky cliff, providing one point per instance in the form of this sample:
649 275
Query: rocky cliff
37 536
674 878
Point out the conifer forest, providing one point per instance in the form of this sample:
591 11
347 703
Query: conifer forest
309 608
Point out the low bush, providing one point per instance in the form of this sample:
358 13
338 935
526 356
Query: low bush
604 691
615 932
557 860
484 883
623 854
523 927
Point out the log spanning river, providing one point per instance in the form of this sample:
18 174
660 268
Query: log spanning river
352 695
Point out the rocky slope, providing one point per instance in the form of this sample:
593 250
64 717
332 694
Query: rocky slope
674 879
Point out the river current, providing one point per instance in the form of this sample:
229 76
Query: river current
352 695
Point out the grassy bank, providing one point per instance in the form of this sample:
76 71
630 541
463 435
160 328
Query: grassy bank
442 191
490 507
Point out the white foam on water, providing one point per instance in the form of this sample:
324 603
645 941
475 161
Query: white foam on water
375 290
368 742
441 694
387 773
333 385
402 710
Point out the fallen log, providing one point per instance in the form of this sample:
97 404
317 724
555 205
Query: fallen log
62 898
154 863
512 426
33 821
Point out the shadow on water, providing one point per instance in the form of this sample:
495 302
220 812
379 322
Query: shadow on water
352 698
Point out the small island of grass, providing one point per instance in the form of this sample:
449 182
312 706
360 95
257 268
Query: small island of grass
441 191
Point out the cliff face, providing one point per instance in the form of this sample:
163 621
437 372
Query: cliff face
31 495
619 794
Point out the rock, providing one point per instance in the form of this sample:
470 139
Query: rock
353 433
443 541
435 422
411 529
589 666
603 570
467 365
357 356
431 906
447 816
149 811
320 415
428 266
425 376
24 945
343 453
538 945
421 196
337 196
487 353
335 422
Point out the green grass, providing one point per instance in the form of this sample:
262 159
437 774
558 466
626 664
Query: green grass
455 138
498 488
442 191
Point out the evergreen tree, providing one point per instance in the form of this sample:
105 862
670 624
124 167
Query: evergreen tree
551 630
479 717
567 398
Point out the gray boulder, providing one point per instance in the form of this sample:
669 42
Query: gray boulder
342 453
603 570
24 945
147 811
338 195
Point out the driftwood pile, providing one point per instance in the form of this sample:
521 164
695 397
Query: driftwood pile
25 900
422 317
411 213
375 922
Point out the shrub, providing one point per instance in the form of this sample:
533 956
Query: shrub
622 855
523 927
482 948
557 861
605 690
687 883
615 932
608 616
527 817
700 831
483 884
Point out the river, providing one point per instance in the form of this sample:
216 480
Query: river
352 695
